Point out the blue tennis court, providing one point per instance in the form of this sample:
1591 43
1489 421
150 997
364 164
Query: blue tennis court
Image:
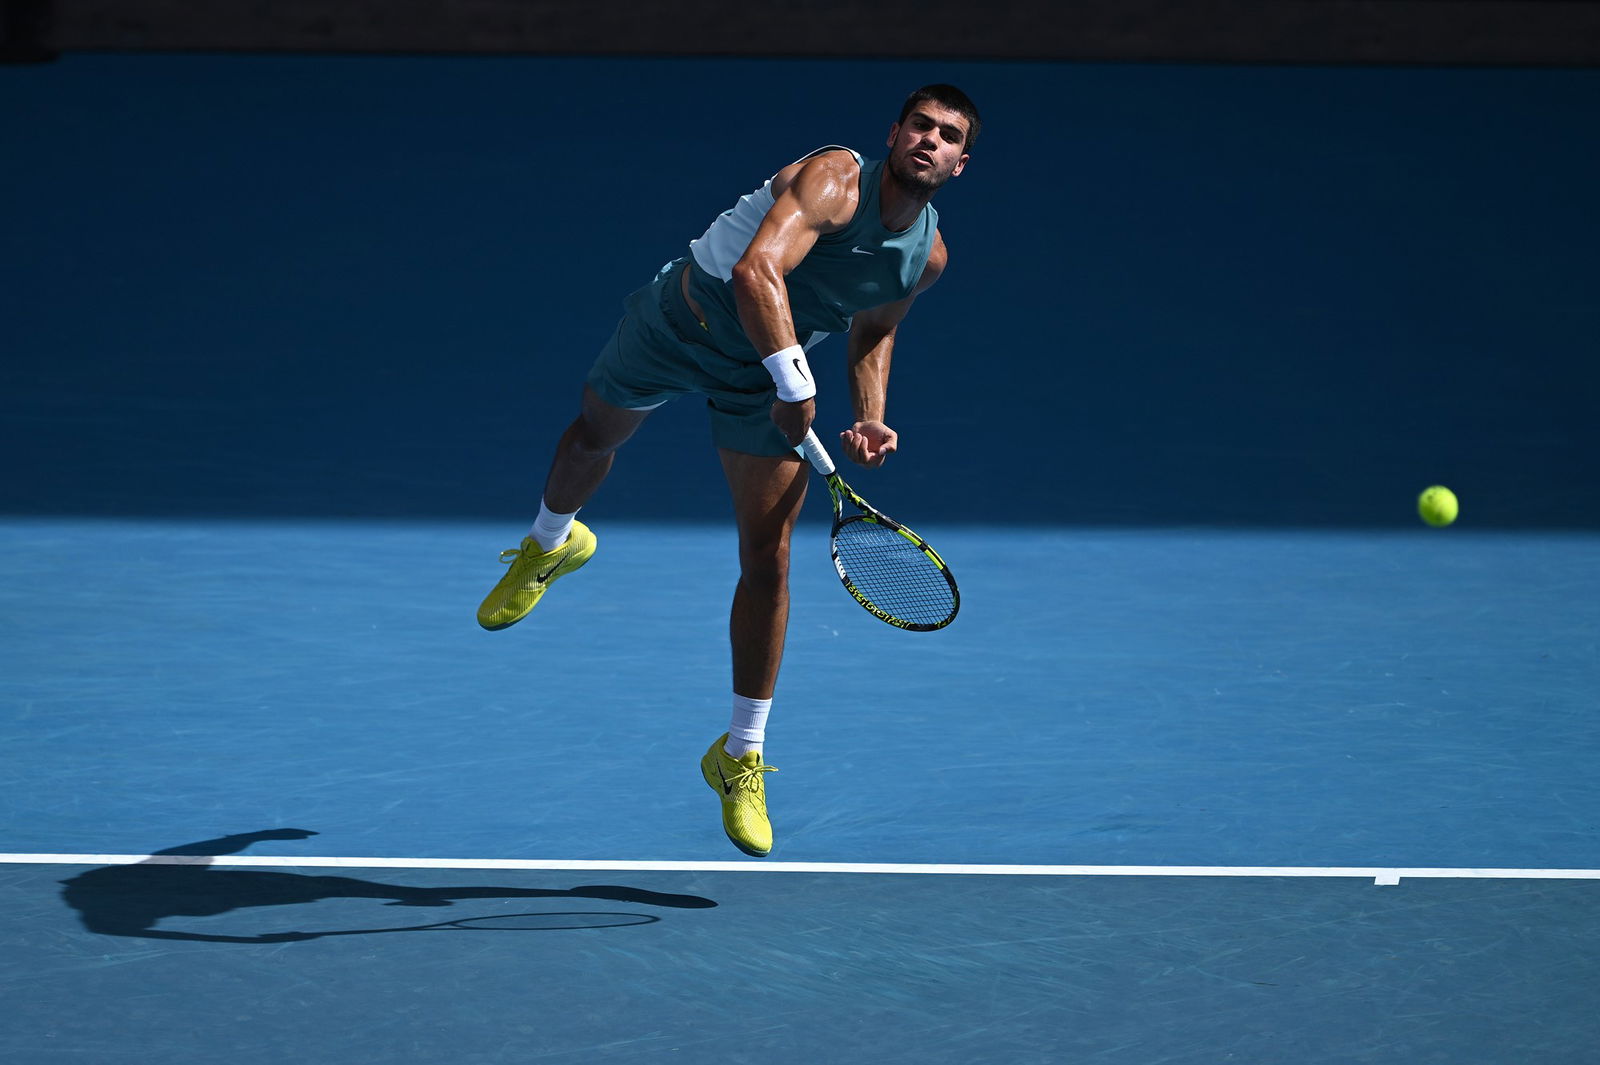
1213 700
1227 758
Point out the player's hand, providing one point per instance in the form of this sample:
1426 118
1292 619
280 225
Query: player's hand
869 444
793 419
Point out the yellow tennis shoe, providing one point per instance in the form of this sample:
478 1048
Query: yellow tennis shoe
744 797
533 569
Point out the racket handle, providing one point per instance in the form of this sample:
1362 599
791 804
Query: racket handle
812 451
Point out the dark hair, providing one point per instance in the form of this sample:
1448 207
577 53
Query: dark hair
952 98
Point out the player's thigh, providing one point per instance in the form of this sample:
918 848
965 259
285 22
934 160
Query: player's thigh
768 492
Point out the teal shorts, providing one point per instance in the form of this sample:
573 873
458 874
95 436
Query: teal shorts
660 352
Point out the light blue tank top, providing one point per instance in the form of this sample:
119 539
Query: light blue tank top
863 265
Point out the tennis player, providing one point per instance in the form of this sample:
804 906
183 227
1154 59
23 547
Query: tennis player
831 243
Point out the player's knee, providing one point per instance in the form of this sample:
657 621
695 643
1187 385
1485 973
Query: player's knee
765 565
587 440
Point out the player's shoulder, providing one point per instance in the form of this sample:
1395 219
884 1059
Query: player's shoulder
825 186
831 167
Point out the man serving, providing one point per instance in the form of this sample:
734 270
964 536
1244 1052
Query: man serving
831 243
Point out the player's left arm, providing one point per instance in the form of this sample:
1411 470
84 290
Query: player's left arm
870 442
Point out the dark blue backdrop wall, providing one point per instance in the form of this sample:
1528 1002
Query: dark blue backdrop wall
1179 295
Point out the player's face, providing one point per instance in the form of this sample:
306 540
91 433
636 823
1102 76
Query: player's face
925 150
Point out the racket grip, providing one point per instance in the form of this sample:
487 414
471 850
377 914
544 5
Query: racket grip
812 451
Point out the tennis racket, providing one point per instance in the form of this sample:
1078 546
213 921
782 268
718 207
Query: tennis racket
887 568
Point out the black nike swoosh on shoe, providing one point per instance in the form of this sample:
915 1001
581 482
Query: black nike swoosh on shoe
727 789
542 577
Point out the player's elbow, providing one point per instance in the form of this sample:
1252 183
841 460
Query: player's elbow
754 275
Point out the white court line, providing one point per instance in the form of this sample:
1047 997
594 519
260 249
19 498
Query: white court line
1380 876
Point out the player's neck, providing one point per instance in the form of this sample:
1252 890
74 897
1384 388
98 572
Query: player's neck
898 206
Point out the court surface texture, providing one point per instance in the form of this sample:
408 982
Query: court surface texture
1177 796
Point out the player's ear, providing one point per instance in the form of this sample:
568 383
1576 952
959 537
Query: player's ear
894 131
961 164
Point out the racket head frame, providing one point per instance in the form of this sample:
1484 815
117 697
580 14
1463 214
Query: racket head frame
841 492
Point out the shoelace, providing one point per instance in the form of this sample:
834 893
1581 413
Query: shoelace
748 779
511 554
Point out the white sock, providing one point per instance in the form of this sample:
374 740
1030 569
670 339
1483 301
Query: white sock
551 529
748 729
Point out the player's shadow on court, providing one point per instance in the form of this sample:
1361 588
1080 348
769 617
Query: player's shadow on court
130 900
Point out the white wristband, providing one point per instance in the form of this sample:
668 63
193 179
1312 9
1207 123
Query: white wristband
793 375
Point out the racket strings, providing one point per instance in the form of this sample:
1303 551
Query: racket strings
893 573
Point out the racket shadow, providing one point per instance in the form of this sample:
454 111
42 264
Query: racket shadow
131 900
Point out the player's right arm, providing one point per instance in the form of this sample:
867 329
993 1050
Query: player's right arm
811 198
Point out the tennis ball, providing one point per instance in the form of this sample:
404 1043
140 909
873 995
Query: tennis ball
1438 506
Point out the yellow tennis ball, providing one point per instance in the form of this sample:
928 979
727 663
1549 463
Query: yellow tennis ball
1438 506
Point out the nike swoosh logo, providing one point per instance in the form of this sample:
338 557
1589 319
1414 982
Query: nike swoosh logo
798 370
542 577
727 789
861 251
